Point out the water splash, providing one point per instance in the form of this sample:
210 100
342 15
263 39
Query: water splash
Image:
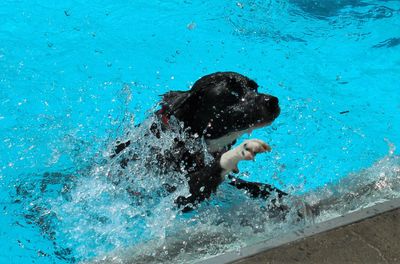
115 202
233 220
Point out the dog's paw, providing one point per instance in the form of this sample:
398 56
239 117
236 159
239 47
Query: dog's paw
245 151
250 148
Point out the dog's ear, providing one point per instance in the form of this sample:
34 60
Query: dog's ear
173 100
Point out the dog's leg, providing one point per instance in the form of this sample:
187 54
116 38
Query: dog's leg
204 182
245 151
255 189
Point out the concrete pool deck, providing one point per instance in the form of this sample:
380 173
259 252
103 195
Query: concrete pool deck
370 235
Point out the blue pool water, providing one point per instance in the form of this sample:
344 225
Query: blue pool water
76 75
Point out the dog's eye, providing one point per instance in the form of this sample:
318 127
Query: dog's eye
236 94
252 85
236 90
232 97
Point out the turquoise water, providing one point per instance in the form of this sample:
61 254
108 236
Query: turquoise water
76 75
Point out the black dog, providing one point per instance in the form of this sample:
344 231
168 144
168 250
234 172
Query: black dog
218 109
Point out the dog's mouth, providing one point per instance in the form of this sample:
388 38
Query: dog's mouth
261 124
248 117
264 116
219 140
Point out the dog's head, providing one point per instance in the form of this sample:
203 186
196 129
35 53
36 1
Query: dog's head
221 107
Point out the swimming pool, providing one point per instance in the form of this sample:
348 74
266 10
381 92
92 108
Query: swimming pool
76 75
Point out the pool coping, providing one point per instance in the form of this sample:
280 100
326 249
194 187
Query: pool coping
305 232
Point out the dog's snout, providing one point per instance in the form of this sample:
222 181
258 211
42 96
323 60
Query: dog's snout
270 102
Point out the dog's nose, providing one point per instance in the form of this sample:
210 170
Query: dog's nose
271 102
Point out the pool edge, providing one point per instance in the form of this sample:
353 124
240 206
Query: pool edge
306 232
